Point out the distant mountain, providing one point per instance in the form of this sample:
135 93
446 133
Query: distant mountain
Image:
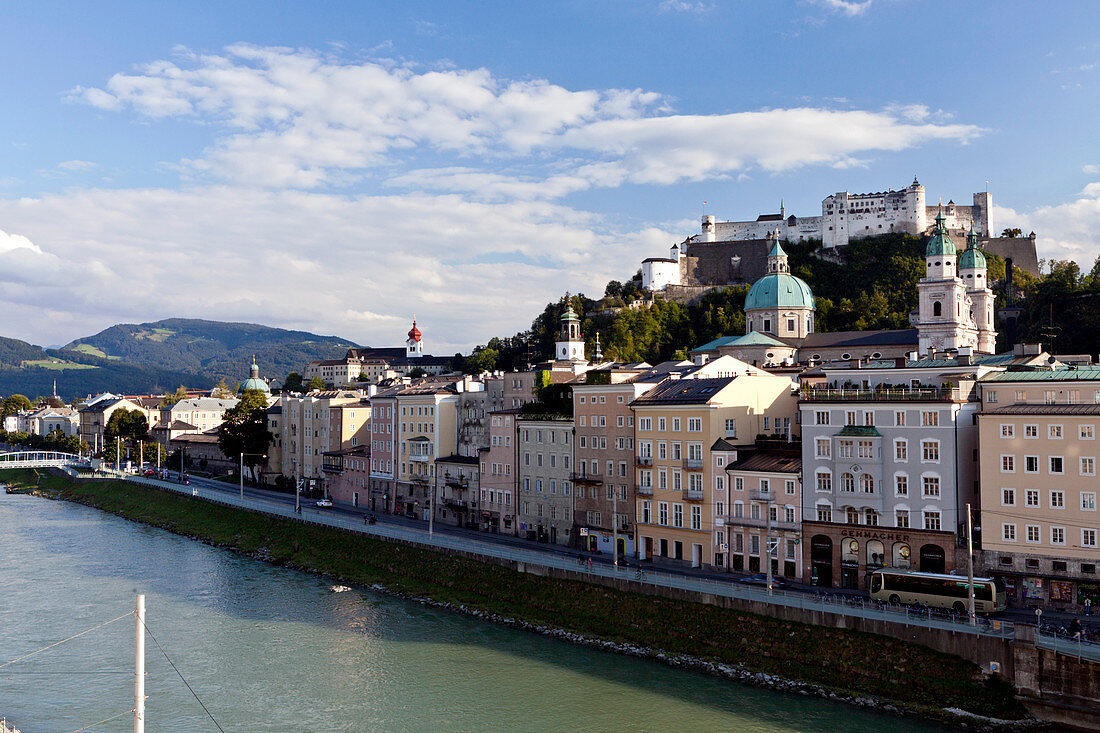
30 370
211 349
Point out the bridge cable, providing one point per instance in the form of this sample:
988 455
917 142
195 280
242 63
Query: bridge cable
105 720
185 682
51 646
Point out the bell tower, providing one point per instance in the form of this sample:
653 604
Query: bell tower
570 345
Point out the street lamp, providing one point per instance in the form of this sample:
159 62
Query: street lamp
261 455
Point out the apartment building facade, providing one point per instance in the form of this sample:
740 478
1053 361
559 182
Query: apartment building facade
680 485
1038 446
545 448
764 517
314 423
426 431
498 479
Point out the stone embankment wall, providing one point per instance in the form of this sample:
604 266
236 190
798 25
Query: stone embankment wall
1055 687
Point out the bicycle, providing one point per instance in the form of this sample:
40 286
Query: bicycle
639 575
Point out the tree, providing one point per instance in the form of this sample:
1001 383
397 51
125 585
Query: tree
130 425
14 404
293 382
170 399
245 429
417 373
1012 233
315 383
221 390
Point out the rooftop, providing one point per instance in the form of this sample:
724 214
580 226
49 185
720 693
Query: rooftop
1045 410
1071 374
684 391
767 461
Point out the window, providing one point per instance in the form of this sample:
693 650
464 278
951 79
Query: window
739 483
788 487
844 448
866 449
991 395
824 513
1031 497
675 424
932 521
731 428
824 481
697 517
1008 532
821 417
930 418
850 417
695 425
1008 497
847 482
1088 501
901 518
823 447
931 486
899 418
901 450
870 518
852 516
930 451
1054 432
677 515
645 423
1031 464
1008 464
1088 538
661 424
1088 466
1008 431
1057 535
1086 432
789 515
869 418
1032 533
1057 500
1056 464
901 485
1031 431
866 483
662 513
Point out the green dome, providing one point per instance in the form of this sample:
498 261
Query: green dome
569 314
972 257
779 290
940 245
256 384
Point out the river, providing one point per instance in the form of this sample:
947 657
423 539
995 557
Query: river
271 649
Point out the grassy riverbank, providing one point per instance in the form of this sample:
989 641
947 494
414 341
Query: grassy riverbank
854 663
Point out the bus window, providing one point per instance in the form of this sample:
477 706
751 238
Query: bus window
876 583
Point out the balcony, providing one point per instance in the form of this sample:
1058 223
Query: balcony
456 483
693 494
420 458
643 490
903 394
643 461
693 464
584 478
759 495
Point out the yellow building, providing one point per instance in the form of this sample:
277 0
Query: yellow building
426 430
684 432
1038 452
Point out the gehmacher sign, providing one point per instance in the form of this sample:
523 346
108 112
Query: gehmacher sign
871 534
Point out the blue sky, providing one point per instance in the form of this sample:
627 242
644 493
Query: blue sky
340 167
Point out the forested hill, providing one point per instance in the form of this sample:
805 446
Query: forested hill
212 349
870 284
14 352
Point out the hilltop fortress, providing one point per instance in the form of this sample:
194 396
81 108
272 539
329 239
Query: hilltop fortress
729 252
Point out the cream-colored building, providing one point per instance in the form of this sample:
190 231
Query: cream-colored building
426 429
545 511
680 486
316 422
1037 433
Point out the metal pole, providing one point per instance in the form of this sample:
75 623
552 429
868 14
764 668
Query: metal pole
139 668
118 454
141 454
614 527
242 478
431 511
768 540
970 565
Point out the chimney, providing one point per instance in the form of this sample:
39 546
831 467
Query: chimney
966 354
899 362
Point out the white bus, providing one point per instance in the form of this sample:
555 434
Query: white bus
933 589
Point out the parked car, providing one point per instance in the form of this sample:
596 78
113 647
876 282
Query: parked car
150 472
324 502
762 579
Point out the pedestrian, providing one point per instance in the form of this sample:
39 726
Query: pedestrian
590 565
1088 606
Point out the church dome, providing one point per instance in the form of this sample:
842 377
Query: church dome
972 257
254 381
414 332
940 245
779 290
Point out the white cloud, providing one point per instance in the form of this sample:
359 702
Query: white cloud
1069 230
850 8
294 118
685 6
1090 169
456 215
77 165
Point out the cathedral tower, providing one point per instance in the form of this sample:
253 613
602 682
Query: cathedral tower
943 321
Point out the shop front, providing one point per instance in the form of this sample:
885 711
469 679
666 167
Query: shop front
845 555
